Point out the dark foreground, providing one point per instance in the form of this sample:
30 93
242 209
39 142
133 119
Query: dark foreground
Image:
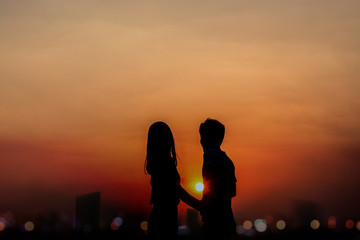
285 235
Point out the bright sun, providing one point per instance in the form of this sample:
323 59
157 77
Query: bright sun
199 187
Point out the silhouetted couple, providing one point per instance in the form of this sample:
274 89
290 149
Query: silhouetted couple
218 176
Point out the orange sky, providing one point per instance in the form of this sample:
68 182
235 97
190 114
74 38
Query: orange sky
80 83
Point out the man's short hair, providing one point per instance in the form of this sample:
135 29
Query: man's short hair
212 131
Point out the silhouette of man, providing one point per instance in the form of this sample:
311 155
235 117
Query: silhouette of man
219 184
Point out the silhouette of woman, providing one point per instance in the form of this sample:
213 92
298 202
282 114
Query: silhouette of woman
161 164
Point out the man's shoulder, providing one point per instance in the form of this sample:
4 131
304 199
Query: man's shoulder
219 162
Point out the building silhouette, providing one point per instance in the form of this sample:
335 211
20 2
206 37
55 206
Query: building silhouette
87 212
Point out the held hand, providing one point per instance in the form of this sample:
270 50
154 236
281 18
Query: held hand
188 199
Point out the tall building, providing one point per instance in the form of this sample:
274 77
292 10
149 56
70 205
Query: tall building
87 212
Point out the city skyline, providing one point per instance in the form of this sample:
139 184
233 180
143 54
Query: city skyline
81 82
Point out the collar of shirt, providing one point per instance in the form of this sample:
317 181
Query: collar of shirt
212 154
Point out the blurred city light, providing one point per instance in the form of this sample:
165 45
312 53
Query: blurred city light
248 228
183 230
269 219
29 226
332 222
260 225
240 229
247 224
2 224
116 223
144 225
281 224
199 187
250 233
315 224
349 224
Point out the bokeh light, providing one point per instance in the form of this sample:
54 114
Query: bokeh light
332 222
247 224
116 223
349 224
315 224
358 225
260 225
250 233
199 187
2 224
144 225
183 230
8 216
281 224
114 227
29 226
240 229
269 219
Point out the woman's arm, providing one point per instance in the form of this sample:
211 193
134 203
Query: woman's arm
188 199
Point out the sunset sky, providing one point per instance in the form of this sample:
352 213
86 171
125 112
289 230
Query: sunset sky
81 82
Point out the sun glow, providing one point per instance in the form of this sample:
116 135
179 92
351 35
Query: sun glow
199 187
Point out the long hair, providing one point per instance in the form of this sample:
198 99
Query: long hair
160 150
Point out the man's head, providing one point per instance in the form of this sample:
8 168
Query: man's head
212 133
